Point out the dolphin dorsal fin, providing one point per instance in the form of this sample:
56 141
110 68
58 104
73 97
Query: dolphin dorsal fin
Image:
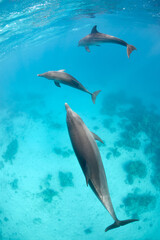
94 30
97 138
62 70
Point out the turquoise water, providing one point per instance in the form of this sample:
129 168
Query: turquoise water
42 187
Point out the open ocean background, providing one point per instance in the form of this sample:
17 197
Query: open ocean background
43 193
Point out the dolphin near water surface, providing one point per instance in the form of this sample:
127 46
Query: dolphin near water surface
97 38
86 150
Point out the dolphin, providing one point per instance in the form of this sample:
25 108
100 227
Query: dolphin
97 38
86 150
62 77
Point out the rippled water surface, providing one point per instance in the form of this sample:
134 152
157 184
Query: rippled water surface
29 22
43 190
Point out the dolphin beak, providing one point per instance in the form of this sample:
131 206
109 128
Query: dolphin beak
67 106
38 75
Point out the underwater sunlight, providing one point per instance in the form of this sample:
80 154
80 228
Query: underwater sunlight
79 120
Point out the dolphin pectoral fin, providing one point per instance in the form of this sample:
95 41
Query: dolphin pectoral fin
97 138
62 70
94 30
87 174
87 48
87 180
57 84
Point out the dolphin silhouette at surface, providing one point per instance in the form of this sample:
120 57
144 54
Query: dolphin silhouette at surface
86 150
62 77
97 38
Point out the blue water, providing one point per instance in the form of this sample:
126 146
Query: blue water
42 187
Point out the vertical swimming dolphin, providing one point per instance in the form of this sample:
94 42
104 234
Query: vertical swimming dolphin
86 150
97 38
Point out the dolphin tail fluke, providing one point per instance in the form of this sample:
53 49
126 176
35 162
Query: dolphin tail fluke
118 223
94 95
130 48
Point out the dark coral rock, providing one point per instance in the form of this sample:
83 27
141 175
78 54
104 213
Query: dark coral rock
6 219
149 149
107 123
50 121
155 159
49 177
34 114
136 118
64 153
1 165
47 180
11 151
144 120
108 155
94 118
14 184
88 230
66 179
112 102
48 195
95 128
155 179
137 203
47 192
135 169
128 141
53 125
37 220
115 152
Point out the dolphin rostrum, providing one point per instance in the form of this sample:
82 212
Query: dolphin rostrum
86 150
97 38
62 77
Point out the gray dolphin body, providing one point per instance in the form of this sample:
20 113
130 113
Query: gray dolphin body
97 38
86 150
62 77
